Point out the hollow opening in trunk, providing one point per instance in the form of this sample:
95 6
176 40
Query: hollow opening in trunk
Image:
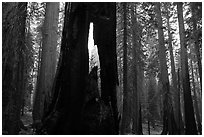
93 56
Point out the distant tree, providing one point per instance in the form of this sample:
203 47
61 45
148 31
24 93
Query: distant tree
29 64
177 111
196 14
169 126
152 101
48 59
35 17
196 110
92 61
137 72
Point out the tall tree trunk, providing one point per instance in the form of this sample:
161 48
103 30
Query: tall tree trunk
137 77
125 116
173 72
168 120
137 114
188 104
181 124
48 61
195 101
14 21
197 47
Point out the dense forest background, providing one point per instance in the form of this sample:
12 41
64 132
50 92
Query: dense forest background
102 68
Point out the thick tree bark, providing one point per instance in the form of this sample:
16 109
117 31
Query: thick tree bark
188 104
168 119
14 19
105 39
48 61
126 115
64 116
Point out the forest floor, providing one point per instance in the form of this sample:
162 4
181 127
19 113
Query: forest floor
27 121
153 131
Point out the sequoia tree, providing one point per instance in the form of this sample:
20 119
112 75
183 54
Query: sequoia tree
65 115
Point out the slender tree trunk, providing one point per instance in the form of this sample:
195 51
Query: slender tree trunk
125 115
36 98
197 47
195 101
14 41
48 61
188 104
148 126
29 67
135 101
167 118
